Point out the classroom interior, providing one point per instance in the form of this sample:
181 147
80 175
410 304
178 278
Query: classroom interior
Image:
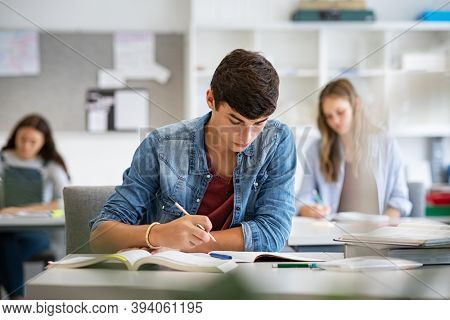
77 57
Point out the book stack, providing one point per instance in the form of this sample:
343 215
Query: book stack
438 201
333 10
423 243
435 15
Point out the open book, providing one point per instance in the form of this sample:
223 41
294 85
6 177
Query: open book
134 259
241 256
405 234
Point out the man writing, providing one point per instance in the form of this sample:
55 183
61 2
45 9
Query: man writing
232 170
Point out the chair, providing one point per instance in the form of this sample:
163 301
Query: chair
81 204
417 198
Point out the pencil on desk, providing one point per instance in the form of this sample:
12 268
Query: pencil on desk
198 225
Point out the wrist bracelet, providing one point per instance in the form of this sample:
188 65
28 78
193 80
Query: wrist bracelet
147 236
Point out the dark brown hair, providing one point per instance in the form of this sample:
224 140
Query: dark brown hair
247 82
48 151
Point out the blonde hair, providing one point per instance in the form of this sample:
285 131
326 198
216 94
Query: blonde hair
330 156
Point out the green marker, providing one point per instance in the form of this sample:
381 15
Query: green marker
295 265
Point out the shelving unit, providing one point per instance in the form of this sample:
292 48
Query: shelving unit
411 103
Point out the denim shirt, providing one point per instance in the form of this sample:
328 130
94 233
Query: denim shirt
387 168
170 165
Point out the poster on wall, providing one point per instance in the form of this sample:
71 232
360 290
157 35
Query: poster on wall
117 110
19 53
134 57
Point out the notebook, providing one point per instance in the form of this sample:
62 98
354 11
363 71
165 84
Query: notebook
249 257
426 256
405 234
136 258
368 264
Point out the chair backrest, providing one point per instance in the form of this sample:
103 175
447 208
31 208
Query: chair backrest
81 204
417 198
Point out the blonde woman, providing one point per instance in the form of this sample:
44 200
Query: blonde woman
354 166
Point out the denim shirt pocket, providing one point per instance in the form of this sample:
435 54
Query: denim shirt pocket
260 179
255 188
167 211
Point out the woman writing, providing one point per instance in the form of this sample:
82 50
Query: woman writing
354 166
33 175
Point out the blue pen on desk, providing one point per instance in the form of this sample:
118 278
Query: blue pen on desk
220 256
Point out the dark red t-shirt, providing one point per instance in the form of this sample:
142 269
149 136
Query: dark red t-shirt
218 201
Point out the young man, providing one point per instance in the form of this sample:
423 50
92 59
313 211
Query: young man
232 170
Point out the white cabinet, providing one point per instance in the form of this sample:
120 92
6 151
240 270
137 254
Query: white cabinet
410 99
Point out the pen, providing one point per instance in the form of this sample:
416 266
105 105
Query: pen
317 197
220 256
197 225
295 265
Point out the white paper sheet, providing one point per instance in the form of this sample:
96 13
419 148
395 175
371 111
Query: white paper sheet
134 57
131 109
19 53
110 79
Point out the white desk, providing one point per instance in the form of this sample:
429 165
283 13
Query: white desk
309 234
444 219
19 223
259 279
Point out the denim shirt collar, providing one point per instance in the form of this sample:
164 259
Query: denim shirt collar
197 157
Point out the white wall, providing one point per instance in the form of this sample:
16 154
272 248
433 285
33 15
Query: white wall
170 15
94 159
97 15
101 159
97 159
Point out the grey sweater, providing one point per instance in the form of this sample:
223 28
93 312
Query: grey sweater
53 175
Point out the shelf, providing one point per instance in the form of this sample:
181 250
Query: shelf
357 72
297 73
356 25
382 72
417 72
282 73
425 131
307 55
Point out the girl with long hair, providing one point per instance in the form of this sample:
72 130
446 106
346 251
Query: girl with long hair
33 175
354 166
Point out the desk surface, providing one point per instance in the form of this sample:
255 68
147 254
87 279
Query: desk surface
29 222
259 279
320 232
444 219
